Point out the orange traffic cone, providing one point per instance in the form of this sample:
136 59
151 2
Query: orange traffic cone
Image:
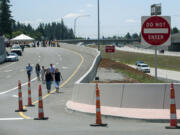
29 95
98 109
173 117
41 112
20 99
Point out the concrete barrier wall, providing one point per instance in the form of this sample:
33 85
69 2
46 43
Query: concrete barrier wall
2 50
150 96
91 73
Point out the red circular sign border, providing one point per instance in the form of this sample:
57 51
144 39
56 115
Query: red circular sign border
155 18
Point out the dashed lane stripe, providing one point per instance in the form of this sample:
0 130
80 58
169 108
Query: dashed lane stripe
7 91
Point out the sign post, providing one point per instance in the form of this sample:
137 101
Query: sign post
155 31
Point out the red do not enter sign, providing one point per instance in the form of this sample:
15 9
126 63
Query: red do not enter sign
110 49
156 30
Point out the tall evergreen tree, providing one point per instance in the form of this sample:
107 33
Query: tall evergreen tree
5 18
128 36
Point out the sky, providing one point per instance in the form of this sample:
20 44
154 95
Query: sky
117 17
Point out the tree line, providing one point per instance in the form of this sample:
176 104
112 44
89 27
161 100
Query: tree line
50 31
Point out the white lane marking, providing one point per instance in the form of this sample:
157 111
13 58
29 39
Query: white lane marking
39 56
60 57
15 96
7 66
11 118
57 63
7 77
6 71
22 70
39 60
16 87
65 67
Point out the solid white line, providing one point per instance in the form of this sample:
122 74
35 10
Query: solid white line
7 66
16 87
156 31
11 118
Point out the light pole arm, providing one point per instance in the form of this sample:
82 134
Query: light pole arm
75 22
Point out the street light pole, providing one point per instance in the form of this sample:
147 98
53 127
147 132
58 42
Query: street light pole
75 22
98 28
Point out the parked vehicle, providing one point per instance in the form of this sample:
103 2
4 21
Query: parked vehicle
143 67
139 62
16 49
27 46
161 51
12 57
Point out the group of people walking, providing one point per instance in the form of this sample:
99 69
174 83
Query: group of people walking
47 76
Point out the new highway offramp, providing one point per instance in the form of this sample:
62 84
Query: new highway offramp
72 64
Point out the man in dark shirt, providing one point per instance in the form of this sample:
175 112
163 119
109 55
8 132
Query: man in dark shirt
58 78
29 71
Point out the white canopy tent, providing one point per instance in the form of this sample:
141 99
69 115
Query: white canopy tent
22 37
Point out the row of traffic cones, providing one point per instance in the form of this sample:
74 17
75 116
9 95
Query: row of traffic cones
40 107
173 116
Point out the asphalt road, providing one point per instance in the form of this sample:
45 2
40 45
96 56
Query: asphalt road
61 121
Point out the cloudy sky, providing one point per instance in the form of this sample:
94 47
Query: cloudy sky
117 16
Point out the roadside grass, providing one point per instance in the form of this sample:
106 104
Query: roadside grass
164 62
130 73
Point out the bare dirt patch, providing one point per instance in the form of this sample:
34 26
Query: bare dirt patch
132 75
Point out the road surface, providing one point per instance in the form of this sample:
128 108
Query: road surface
61 121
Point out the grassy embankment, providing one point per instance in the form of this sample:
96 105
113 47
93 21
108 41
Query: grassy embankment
121 58
164 62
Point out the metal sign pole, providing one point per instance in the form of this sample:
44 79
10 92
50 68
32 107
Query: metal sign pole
98 27
156 63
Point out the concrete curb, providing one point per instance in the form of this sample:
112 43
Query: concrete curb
105 114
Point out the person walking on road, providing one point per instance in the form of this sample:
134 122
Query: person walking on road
29 70
38 70
58 78
48 79
42 74
52 70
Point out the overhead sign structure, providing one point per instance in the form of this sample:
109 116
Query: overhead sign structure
156 30
110 49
